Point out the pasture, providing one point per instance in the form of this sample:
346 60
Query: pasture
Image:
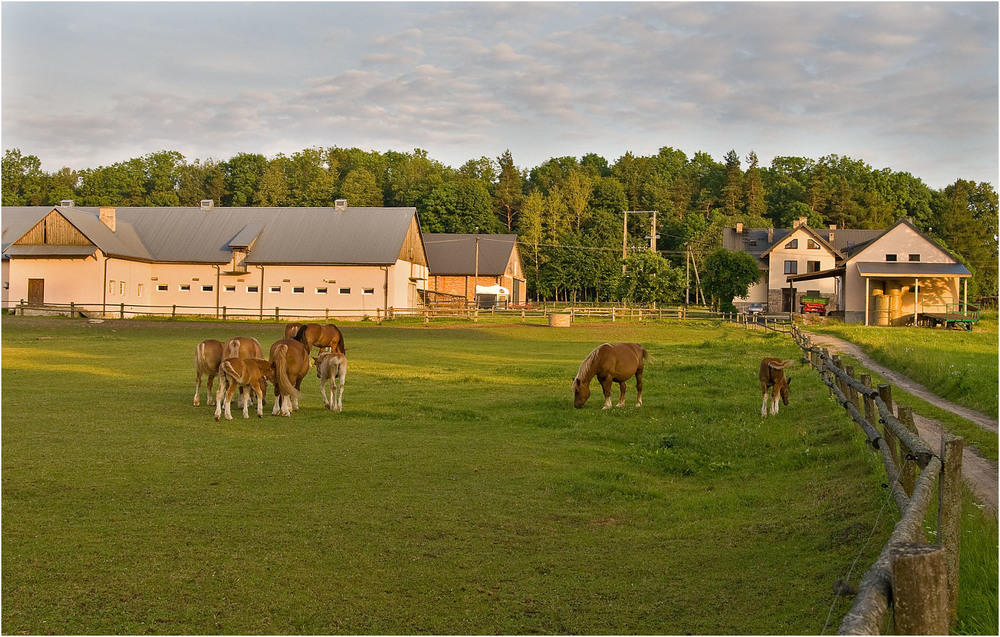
457 492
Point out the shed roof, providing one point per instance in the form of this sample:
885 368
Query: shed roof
912 269
455 254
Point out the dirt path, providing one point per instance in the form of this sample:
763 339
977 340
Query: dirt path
978 472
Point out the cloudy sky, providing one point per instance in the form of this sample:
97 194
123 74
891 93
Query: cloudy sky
906 86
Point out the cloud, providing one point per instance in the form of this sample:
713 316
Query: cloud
867 80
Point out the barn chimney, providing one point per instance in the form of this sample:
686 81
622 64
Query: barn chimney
207 204
107 216
340 204
739 227
66 203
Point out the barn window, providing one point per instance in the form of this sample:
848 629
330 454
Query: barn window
138 290
298 290
207 288
890 257
345 290
914 257
274 289
252 289
121 288
162 287
184 287
111 287
368 291
229 288
320 290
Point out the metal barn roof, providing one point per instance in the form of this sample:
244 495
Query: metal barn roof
455 254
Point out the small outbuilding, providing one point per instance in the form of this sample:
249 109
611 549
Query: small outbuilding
469 268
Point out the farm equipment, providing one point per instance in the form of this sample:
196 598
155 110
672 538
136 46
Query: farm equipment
814 305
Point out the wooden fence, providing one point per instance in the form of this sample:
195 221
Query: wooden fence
611 313
919 580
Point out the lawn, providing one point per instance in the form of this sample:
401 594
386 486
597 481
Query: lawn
458 492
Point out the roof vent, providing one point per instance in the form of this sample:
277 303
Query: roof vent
340 204
66 203
207 204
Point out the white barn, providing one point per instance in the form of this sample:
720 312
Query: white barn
208 260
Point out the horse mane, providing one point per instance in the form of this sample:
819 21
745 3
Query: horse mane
300 334
587 366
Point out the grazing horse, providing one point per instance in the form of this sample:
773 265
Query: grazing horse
611 364
331 368
290 363
242 347
314 334
772 376
245 373
207 358
291 330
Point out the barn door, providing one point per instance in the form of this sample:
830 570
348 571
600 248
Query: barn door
36 291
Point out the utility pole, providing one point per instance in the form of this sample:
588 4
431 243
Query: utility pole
652 234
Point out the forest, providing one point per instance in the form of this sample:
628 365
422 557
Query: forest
567 212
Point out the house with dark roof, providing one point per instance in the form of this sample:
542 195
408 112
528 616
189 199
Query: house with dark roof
868 276
339 261
468 268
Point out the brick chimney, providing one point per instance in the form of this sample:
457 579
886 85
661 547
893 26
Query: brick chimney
739 227
107 216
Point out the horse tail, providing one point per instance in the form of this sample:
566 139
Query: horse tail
285 386
340 341
645 354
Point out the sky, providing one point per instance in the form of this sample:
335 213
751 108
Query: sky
912 87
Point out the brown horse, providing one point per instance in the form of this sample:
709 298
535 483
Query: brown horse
290 363
611 364
291 330
314 334
247 374
242 347
772 376
331 369
207 358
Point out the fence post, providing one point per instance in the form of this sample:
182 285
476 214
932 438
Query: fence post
950 514
907 472
919 589
853 392
223 312
885 393
173 311
121 310
871 413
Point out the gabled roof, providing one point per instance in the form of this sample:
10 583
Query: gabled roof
812 234
455 254
759 241
365 236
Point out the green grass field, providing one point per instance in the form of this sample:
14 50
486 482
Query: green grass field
458 492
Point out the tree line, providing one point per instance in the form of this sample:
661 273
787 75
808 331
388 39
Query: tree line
567 212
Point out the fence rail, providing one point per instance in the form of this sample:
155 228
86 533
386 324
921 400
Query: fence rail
542 311
913 471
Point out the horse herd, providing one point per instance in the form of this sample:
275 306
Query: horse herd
240 365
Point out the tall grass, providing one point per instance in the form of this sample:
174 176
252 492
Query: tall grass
458 492
957 365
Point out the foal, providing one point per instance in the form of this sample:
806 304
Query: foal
249 373
772 376
331 368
